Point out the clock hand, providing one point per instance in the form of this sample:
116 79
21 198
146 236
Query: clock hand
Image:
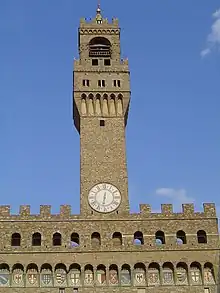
104 198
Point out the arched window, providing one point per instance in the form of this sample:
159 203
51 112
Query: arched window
16 239
160 237
201 236
181 237
74 240
57 239
36 239
138 238
117 239
95 239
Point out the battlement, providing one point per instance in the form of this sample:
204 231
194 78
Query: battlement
188 212
84 22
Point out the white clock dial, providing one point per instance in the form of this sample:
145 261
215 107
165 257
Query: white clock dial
104 198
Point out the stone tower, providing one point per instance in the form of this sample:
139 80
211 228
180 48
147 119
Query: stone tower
101 102
105 248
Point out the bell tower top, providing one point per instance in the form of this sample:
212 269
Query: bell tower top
101 96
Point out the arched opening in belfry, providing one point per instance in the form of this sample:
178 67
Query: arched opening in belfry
99 47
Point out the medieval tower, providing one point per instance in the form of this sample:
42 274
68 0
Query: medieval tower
106 248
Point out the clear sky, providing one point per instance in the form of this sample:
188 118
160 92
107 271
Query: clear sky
173 133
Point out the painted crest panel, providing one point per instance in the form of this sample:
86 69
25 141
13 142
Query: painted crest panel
195 276
139 277
4 278
168 276
60 277
75 277
101 277
32 278
208 276
153 277
181 276
18 277
113 277
125 277
46 278
88 278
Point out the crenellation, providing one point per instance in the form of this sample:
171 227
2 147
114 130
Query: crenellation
145 209
24 211
45 211
167 209
65 211
188 209
210 209
5 211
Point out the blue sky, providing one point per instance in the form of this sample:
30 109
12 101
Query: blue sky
173 144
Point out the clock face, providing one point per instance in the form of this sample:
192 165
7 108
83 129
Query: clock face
104 198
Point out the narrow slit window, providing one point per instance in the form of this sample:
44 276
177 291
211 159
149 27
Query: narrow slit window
115 83
119 83
86 82
103 83
99 83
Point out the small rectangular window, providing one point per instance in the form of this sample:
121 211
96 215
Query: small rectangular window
119 83
115 83
102 122
103 83
95 62
61 290
107 62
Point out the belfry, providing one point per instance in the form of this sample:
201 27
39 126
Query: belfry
106 248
